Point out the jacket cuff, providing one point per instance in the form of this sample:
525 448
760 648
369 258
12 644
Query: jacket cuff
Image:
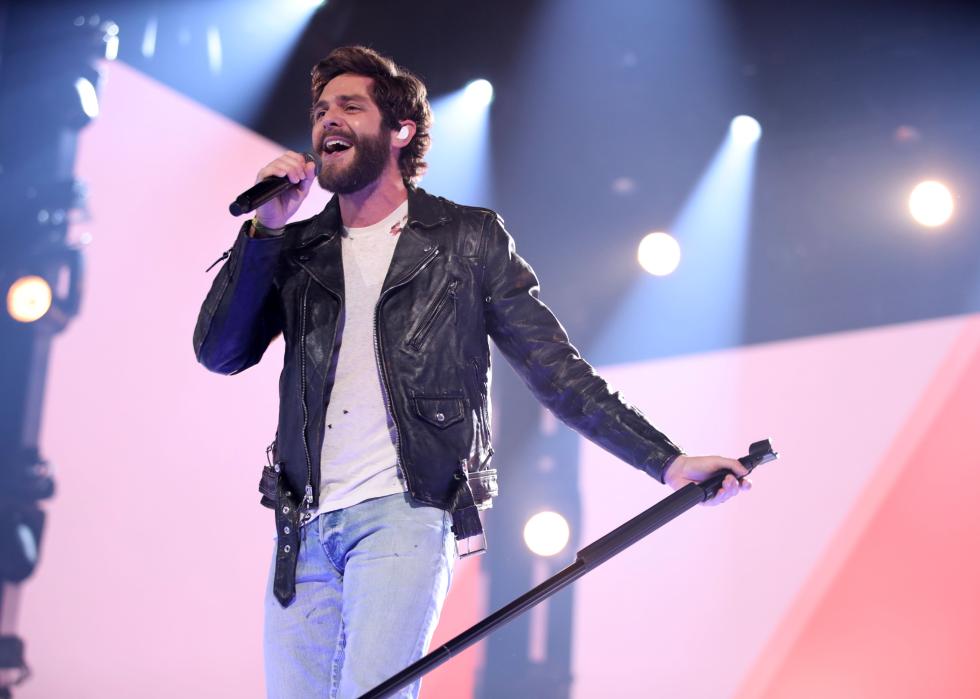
254 229
661 473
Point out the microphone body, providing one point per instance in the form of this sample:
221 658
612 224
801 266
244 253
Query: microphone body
264 190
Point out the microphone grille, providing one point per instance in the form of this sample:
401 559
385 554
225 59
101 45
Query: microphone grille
315 159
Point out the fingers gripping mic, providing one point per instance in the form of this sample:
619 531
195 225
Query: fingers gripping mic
269 188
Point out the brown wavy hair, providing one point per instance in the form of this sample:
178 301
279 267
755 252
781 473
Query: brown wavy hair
397 92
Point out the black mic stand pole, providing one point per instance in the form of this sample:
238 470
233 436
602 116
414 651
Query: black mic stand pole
592 556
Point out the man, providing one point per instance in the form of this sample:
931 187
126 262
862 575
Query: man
386 301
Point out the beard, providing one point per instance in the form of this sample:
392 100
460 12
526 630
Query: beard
370 158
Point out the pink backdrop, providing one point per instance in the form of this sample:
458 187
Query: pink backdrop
848 572
851 569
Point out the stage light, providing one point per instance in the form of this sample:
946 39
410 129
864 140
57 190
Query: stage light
112 48
214 50
28 299
149 46
88 97
546 533
745 130
931 203
460 155
111 41
659 253
479 93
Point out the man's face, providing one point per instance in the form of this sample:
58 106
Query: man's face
349 135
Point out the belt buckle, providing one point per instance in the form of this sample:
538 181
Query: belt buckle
466 548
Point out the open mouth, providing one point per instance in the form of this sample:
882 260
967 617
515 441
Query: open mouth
335 146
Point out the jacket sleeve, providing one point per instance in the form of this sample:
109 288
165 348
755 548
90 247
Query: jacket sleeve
536 345
241 314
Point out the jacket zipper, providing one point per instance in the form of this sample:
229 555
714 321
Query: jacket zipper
430 319
224 256
379 357
308 493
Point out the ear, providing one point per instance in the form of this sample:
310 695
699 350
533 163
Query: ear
405 133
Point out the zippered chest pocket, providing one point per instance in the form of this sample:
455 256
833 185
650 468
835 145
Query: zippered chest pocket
444 304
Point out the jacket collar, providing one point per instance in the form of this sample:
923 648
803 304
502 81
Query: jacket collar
321 256
424 212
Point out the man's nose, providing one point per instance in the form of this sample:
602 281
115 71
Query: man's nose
329 118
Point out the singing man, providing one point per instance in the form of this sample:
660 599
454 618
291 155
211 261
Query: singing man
387 301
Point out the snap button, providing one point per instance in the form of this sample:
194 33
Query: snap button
285 510
304 258
287 548
440 417
286 530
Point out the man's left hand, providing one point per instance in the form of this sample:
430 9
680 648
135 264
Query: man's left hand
695 469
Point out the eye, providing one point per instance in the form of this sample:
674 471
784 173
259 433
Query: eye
352 108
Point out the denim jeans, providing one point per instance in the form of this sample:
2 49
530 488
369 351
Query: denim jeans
370 583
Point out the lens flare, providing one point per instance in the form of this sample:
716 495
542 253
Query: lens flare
931 203
659 253
546 533
28 299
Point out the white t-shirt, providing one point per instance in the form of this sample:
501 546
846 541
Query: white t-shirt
358 461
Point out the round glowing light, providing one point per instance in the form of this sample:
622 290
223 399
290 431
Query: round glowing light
659 253
28 299
745 130
931 203
546 533
479 93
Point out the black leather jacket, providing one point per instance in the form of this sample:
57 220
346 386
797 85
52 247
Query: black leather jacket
455 280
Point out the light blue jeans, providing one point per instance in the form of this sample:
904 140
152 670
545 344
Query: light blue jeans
370 583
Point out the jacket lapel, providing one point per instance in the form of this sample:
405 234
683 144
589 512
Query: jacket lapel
320 255
416 246
412 251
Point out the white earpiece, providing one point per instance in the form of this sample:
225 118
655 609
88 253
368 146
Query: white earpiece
403 134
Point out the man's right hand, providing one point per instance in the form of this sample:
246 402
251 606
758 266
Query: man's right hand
276 212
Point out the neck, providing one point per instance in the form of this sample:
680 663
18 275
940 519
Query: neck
371 204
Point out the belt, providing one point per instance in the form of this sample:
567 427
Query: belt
276 495
464 508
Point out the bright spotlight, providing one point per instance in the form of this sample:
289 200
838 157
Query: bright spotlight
149 46
28 299
214 50
546 533
88 97
659 254
931 203
745 130
111 48
479 93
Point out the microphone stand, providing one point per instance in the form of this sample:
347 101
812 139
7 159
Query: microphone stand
592 556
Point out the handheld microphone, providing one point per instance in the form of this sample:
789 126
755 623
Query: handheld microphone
269 188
